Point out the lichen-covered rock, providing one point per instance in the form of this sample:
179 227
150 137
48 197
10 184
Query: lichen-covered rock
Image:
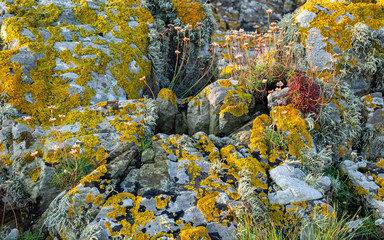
368 184
73 53
180 194
220 108
108 131
246 14
352 30
167 110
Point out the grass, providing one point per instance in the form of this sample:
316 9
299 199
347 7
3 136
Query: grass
320 227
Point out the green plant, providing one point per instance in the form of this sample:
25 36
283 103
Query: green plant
64 178
145 145
318 227
30 235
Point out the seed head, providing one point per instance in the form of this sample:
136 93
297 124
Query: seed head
177 52
177 28
34 154
52 107
269 11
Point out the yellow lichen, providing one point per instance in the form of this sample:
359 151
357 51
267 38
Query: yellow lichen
194 233
168 95
161 201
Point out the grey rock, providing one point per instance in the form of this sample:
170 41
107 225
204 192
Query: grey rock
292 184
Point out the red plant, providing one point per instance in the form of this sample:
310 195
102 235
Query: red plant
304 94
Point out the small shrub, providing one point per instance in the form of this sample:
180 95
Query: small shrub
304 94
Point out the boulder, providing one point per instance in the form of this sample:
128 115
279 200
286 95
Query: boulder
220 108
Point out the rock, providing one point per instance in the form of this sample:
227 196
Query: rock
321 21
147 156
219 109
379 224
167 109
13 235
358 179
246 14
292 185
178 192
278 99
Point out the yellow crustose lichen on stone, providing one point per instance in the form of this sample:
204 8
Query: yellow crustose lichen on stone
370 13
28 16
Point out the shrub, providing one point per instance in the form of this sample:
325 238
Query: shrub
304 94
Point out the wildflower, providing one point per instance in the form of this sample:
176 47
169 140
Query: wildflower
297 33
52 119
177 28
335 55
60 130
276 120
142 79
353 154
199 24
264 81
329 146
325 39
269 11
34 154
293 24
246 45
55 148
312 42
170 25
238 56
127 123
342 71
61 116
315 68
177 52
182 30
332 60
241 30
326 68
227 38
256 26
284 112
280 84
73 151
161 35
214 44
75 146
27 118
188 26
186 39
8 182
273 24
51 107
66 171
270 91
324 79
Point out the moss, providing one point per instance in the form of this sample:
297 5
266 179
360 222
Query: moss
168 95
